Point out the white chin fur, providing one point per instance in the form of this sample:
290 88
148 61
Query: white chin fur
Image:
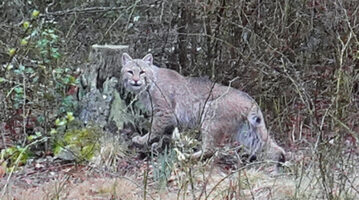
135 88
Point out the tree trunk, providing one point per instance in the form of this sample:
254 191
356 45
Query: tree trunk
99 100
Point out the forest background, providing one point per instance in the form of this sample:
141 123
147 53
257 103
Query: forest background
297 58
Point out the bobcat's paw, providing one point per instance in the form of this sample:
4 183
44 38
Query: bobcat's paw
155 146
139 140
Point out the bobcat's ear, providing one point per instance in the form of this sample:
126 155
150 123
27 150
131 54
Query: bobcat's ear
125 59
148 59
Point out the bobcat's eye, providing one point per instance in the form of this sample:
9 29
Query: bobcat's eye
130 72
142 72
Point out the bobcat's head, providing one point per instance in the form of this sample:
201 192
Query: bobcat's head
136 74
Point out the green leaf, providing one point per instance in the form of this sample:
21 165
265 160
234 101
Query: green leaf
31 137
38 133
57 149
53 131
72 80
40 118
24 42
12 51
10 150
26 24
35 14
29 70
10 169
9 66
88 151
53 36
59 70
69 116
72 137
34 33
21 67
59 122
56 55
18 90
35 79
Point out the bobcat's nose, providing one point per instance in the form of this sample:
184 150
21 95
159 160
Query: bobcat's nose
136 83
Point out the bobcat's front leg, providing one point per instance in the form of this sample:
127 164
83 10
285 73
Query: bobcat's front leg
141 140
161 123
147 138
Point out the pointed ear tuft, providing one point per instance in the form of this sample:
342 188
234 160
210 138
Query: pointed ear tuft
125 59
148 59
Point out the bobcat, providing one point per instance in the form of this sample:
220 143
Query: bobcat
222 113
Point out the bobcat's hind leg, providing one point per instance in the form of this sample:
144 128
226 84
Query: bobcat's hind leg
212 136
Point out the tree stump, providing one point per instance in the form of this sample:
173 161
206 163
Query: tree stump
99 100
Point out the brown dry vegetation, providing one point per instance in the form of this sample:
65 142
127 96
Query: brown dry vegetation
297 58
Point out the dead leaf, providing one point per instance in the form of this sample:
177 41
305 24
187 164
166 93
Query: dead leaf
2 171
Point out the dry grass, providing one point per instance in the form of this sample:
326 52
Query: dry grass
301 179
92 188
